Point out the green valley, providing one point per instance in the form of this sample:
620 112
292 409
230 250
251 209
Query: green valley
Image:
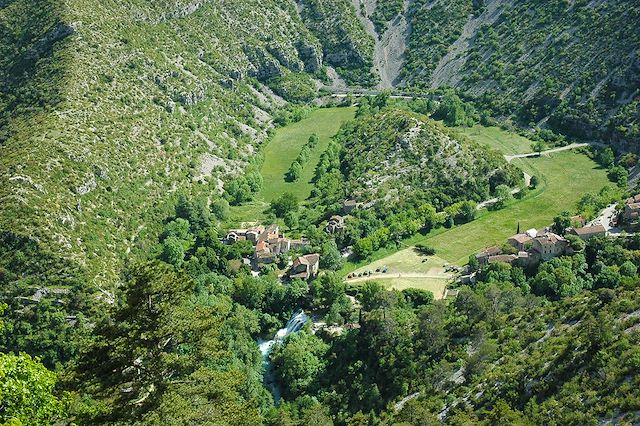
298 212
282 150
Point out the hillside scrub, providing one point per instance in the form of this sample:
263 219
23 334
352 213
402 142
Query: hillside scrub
105 119
384 12
394 154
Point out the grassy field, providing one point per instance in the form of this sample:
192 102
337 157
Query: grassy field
435 279
564 178
407 260
506 142
282 151
287 144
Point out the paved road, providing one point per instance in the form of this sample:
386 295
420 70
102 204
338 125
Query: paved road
605 217
547 152
337 93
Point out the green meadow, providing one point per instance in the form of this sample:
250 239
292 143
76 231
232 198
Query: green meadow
506 142
283 150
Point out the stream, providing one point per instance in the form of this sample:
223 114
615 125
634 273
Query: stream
296 322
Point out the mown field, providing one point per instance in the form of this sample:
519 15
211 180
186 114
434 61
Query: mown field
287 144
564 178
431 269
283 150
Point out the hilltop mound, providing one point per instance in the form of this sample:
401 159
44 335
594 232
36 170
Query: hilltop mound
395 154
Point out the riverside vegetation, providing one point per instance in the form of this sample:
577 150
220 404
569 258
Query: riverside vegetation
128 129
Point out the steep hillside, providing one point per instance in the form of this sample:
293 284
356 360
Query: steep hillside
571 65
108 110
571 362
395 154
347 45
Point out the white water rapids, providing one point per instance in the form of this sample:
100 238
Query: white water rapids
294 324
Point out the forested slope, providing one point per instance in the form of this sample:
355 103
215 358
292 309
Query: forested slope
571 65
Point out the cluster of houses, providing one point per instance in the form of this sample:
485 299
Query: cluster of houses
269 243
533 246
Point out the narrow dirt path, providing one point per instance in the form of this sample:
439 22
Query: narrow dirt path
547 152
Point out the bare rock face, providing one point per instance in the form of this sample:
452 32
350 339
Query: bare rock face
87 186
284 56
263 66
311 55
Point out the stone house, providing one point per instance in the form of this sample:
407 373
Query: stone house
254 233
305 267
631 211
588 232
521 242
483 256
548 245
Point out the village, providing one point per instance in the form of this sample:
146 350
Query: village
533 246
269 243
